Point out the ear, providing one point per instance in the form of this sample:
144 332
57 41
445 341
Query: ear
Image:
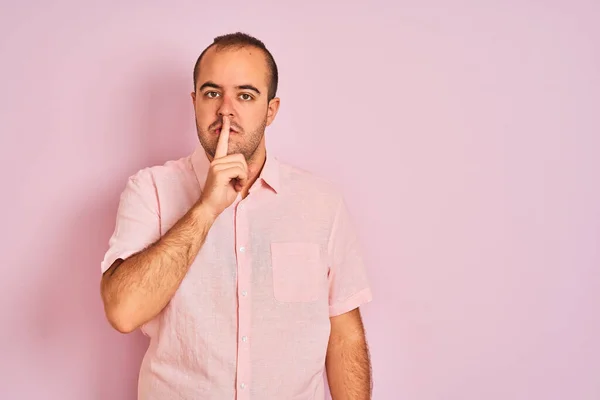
194 99
272 109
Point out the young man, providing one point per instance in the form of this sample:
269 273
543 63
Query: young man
245 272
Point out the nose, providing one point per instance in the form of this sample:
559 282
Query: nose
226 107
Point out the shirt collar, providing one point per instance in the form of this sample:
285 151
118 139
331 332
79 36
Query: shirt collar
270 173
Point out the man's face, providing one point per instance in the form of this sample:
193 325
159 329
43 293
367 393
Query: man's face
234 83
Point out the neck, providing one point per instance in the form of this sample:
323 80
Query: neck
255 166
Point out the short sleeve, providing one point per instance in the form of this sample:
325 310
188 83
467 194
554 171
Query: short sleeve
137 224
348 281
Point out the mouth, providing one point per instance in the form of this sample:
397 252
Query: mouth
232 131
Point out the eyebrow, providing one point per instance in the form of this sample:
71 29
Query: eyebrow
210 84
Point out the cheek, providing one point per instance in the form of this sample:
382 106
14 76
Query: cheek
205 115
257 115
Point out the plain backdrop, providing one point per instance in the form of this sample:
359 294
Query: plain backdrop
465 135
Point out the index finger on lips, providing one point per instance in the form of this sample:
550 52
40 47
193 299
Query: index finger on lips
223 141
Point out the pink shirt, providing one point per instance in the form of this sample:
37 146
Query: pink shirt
251 318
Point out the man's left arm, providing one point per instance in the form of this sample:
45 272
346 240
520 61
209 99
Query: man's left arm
348 362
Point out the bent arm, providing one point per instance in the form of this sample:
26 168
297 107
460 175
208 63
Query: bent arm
136 289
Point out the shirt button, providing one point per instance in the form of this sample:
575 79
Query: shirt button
244 338
244 293
243 386
242 249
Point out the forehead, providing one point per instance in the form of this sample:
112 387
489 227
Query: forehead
234 66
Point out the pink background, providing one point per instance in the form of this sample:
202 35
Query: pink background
465 134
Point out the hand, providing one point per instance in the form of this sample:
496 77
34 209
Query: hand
227 175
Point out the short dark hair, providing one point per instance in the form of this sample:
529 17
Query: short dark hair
240 40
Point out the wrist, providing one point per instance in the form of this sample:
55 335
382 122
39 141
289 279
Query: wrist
202 212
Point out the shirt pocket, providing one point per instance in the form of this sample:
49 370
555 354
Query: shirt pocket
298 275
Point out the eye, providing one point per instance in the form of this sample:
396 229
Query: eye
211 95
246 96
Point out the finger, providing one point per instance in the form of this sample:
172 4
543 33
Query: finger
242 159
235 173
223 142
223 166
237 157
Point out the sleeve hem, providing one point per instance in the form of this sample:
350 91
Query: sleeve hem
110 259
354 301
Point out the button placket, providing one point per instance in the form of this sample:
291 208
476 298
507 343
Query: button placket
244 276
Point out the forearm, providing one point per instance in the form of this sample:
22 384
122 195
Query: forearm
349 369
138 288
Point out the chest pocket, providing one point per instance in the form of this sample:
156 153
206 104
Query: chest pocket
298 272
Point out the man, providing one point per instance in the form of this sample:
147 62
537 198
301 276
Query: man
244 271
